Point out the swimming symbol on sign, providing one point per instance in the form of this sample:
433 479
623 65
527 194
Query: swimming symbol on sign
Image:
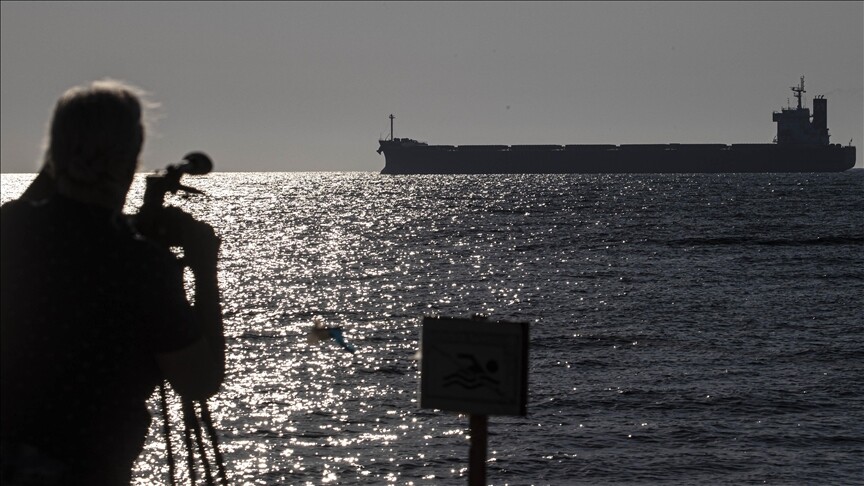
473 375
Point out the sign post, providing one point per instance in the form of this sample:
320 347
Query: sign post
474 367
478 425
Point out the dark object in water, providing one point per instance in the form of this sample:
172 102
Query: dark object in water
319 333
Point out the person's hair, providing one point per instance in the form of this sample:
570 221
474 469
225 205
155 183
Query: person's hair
96 136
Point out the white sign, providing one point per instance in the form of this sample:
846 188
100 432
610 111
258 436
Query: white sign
470 366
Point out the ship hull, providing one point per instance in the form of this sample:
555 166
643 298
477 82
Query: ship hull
593 159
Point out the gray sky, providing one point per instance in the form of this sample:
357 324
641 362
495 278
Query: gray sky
309 86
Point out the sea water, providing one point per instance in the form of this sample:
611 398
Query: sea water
684 329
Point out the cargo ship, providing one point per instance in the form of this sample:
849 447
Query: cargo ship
801 145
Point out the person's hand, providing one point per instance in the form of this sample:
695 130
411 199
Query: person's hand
201 248
175 227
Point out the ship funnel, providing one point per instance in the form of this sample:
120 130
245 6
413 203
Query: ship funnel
820 119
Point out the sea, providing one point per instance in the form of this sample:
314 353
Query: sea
683 328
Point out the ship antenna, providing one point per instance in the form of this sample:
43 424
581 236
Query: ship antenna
798 90
391 125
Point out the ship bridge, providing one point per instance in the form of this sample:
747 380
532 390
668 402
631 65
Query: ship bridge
794 125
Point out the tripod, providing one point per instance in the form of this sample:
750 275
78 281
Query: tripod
193 422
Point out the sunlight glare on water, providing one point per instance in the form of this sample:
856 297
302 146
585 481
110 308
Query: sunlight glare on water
685 329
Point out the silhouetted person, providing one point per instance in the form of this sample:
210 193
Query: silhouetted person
94 317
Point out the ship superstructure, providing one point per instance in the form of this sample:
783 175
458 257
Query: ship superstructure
794 125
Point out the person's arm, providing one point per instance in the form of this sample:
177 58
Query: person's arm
197 371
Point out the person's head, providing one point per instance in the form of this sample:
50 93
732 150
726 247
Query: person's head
94 141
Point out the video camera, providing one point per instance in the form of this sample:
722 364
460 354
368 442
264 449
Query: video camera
151 220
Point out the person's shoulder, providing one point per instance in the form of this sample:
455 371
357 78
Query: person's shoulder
15 205
9 207
19 208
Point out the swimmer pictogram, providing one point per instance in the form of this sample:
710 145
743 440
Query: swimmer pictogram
473 375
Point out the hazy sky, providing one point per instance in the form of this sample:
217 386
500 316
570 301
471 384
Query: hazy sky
309 86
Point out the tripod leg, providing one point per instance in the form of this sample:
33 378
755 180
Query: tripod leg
189 421
214 438
166 429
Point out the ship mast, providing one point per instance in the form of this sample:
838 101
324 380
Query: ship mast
798 90
391 124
